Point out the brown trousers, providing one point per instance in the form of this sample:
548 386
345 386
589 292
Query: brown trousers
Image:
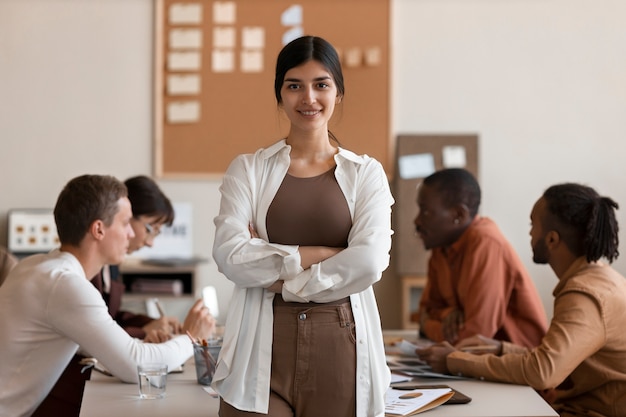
313 362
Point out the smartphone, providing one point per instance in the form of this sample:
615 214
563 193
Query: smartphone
209 296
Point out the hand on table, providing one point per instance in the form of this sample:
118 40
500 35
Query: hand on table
436 355
160 330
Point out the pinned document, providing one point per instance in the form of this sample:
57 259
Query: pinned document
291 34
183 112
185 14
183 84
223 37
185 39
253 37
224 12
416 166
223 61
183 61
251 61
454 157
292 16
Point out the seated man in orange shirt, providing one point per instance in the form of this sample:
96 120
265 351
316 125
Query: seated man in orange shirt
476 282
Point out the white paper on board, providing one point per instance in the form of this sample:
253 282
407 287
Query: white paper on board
185 14
183 84
416 166
185 39
292 16
454 157
224 12
224 37
183 61
253 37
223 61
183 112
251 61
291 34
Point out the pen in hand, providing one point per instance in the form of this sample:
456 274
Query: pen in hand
159 307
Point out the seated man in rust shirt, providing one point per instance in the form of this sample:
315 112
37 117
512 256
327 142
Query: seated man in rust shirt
476 282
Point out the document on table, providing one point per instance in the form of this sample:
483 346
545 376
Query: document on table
406 403
404 361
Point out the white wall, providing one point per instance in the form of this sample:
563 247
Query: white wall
541 81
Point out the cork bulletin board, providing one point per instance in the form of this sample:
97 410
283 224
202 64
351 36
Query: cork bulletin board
214 78
421 155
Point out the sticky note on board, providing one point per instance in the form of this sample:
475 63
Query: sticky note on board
223 61
454 157
353 57
292 16
183 84
416 165
183 112
372 56
185 39
224 37
183 61
185 14
253 37
291 34
224 12
251 61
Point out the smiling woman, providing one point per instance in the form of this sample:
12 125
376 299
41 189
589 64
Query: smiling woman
304 230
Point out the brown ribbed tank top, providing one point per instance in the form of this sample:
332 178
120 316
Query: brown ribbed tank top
309 211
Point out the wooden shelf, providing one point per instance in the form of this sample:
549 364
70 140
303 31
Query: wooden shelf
177 305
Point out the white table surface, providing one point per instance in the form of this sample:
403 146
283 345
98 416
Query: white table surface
108 397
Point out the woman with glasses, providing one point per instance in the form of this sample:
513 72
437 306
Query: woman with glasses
151 211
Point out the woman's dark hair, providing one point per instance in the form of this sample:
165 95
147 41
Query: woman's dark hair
584 220
456 186
147 199
302 50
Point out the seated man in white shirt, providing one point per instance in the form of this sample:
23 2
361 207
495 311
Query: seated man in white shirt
48 307
7 262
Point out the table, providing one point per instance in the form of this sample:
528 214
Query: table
491 399
106 397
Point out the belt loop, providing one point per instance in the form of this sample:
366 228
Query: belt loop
344 317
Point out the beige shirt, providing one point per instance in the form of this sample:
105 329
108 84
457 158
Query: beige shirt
583 355
7 262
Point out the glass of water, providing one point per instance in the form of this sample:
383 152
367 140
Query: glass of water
152 380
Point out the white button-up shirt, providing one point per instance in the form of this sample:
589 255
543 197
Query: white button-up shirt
242 377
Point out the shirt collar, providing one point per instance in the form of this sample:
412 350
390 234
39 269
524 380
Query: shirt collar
456 247
574 269
281 146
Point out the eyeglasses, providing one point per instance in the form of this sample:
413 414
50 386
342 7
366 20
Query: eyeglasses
151 230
